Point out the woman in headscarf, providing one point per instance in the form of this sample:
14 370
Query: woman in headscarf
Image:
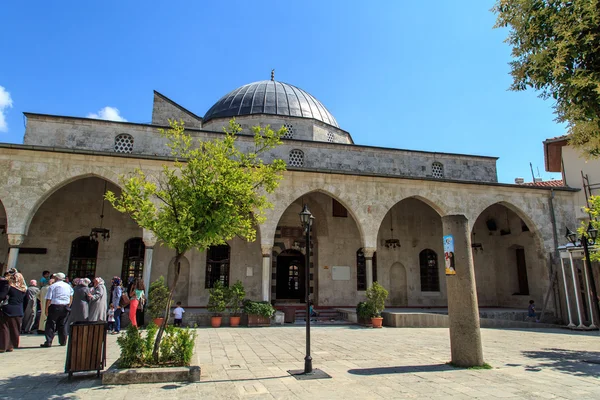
79 306
98 301
12 293
115 297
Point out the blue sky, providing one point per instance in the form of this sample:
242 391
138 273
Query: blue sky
428 75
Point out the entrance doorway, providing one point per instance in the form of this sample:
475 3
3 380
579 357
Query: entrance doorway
290 276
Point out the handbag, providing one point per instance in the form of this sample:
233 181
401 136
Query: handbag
124 302
142 302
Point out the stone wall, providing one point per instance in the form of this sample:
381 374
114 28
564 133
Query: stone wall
164 109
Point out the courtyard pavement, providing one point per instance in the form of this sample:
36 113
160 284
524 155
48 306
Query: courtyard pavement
389 363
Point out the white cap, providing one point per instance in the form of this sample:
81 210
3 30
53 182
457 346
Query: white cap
60 276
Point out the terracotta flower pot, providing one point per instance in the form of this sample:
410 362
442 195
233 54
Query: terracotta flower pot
234 321
377 322
215 322
158 321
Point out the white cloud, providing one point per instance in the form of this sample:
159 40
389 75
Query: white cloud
5 102
107 113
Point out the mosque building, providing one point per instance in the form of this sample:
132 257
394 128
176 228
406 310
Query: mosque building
380 213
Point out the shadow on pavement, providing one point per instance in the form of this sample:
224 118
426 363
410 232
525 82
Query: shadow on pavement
407 369
44 386
580 363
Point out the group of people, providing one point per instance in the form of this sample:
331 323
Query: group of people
52 308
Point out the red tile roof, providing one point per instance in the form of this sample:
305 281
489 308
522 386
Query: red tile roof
553 183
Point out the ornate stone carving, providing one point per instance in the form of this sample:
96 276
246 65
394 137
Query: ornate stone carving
15 240
266 250
368 252
149 238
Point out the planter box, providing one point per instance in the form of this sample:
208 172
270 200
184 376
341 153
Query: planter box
258 320
116 376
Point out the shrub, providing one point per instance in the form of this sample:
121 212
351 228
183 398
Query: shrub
364 310
158 295
176 347
235 297
261 308
216 300
376 296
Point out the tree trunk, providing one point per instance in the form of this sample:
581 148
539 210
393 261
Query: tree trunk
161 329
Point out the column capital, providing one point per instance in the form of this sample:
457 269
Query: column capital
149 238
369 251
266 250
15 240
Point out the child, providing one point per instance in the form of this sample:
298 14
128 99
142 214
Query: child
531 311
111 317
178 314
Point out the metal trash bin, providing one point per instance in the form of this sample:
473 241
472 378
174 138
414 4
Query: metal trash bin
86 350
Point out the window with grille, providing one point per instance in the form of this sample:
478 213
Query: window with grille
124 143
361 269
82 263
437 170
133 259
217 265
289 133
338 209
296 158
430 277
330 137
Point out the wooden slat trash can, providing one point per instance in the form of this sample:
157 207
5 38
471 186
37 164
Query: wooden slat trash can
86 350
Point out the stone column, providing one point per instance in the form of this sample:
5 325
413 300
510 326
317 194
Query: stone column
149 242
266 250
14 241
368 252
463 310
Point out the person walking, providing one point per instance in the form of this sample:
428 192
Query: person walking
12 293
137 299
30 307
116 294
58 301
42 302
98 301
80 305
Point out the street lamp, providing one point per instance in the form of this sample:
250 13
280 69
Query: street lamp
307 220
588 238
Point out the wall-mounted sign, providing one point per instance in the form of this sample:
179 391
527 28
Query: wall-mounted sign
449 255
340 273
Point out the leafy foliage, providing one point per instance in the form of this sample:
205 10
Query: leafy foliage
364 310
158 296
594 211
235 296
376 296
177 346
217 301
261 308
136 351
211 193
555 51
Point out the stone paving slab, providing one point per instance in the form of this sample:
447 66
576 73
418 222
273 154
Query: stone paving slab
389 363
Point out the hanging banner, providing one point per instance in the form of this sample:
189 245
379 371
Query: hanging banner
449 255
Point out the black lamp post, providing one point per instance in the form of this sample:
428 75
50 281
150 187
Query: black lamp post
307 220
587 239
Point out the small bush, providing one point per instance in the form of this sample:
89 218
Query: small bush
217 302
376 296
176 347
235 297
158 295
364 310
261 308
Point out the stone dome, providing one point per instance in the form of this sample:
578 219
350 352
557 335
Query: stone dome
270 97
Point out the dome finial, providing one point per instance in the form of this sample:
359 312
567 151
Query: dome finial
273 74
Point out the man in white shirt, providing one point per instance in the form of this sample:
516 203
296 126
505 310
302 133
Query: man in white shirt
58 302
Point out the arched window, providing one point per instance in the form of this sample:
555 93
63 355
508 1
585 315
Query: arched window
430 277
82 262
217 265
437 170
123 143
289 131
361 269
296 158
133 259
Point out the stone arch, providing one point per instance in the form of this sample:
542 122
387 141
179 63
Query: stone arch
268 228
182 289
398 285
53 185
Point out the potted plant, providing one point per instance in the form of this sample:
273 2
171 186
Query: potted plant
158 296
235 297
364 312
259 312
376 296
216 303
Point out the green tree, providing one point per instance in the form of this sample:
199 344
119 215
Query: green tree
594 211
556 50
211 193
